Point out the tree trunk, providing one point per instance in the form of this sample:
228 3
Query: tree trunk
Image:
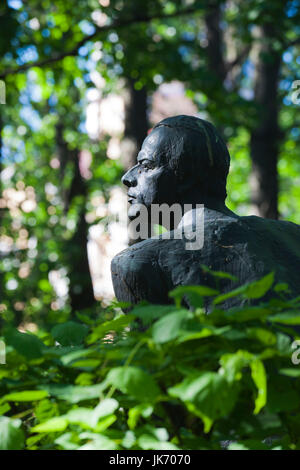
81 288
215 44
136 127
265 138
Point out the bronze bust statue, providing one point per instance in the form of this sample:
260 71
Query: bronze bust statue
185 161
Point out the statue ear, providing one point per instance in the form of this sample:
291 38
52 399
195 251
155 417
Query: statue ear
192 186
187 182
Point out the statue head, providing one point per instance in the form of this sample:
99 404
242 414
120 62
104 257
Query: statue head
183 160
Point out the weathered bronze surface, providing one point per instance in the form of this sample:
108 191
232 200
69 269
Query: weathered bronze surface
184 160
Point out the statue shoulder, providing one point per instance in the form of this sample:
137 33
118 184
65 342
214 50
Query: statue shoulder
136 274
275 227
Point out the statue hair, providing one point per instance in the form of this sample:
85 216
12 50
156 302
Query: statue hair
198 152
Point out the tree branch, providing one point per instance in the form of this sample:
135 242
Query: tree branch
115 25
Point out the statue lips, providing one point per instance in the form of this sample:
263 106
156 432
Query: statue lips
134 209
131 198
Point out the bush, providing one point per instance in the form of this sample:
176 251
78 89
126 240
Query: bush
161 377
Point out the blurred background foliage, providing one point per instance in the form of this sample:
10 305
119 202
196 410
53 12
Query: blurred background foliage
84 84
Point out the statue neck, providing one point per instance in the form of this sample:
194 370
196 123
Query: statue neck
209 203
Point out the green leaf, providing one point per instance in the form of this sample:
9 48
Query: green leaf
246 313
233 363
51 425
234 293
115 325
134 414
194 293
75 393
203 333
4 408
253 290
69 333
134 382
286 318
209 393
281 287
88 364
105 423
219 274
90 417
65 441
290 372
68 358
148 442
259 377
26 395
148 313
129 439
258 289
169 327
202 291
26 344
97 442
11 436
249 444
284 343
263 335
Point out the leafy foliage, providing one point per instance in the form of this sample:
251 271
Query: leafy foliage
170 379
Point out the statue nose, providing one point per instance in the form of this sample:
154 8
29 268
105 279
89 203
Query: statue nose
129 178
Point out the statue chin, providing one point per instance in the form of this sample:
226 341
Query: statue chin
134 211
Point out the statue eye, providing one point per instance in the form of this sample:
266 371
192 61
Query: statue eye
146 164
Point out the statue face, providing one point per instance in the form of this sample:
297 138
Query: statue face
151 181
